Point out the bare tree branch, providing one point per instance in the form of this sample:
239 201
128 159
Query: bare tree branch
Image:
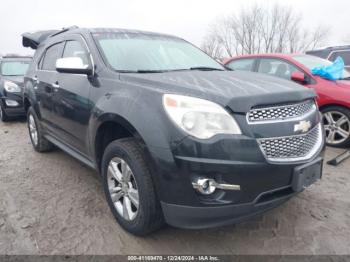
262 29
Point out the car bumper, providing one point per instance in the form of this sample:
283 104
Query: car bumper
239 161
13 105
206 217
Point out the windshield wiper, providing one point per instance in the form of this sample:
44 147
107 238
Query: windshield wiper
206 68
151 71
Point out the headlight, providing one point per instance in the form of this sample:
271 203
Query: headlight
200 118
11 87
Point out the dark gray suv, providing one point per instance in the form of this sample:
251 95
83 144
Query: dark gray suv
176 137
12 70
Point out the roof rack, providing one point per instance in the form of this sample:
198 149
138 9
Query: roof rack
16 56
65 29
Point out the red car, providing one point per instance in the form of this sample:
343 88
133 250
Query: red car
333 96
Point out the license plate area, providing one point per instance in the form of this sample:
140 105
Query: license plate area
307 174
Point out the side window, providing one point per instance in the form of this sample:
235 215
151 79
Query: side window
76 49
276 67
343 54
242 64
52 54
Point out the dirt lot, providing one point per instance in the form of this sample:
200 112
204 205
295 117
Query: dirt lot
52 204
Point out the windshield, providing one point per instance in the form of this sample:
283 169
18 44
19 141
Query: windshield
143 52
313 61
14 68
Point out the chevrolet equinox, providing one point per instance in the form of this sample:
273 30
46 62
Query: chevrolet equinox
176 137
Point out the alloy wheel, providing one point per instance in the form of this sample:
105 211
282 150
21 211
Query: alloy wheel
1 113
123 189
337 127
33 130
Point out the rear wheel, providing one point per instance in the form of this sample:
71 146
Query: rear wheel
39 142
3 115
336 122
129 187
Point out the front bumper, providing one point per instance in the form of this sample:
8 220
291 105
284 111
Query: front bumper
13 110
205 217
238 161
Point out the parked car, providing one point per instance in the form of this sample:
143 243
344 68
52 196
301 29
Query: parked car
333 97
12 70
331 53
175 136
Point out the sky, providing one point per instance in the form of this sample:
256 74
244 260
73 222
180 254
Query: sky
188 19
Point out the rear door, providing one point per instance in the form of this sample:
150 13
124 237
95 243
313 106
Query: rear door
46 80
71 106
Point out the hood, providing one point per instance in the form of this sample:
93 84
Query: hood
16 79
343 83
239 90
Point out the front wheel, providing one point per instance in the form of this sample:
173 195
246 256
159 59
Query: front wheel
129 187
3 116
336 122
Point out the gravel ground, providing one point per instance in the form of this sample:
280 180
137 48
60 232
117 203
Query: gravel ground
52 204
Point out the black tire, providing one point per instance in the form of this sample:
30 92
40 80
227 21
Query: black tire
42 144
149 216
3 116
342 111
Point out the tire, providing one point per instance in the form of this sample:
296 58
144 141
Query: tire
148 216
3 116
336 120
39 142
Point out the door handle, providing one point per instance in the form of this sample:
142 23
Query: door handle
56 85
35 79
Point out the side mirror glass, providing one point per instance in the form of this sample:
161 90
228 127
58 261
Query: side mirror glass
72 65
299 77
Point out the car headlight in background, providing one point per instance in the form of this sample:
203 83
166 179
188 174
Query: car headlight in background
198 117
11 87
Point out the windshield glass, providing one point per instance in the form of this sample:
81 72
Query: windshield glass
145 52
313 61
14 68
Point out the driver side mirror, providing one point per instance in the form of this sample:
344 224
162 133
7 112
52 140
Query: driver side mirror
73 65
299 77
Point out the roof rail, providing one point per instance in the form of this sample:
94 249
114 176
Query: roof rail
16 56
65 29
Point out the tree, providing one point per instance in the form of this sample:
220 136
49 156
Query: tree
262 29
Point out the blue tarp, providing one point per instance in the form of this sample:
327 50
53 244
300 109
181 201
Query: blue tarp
331 72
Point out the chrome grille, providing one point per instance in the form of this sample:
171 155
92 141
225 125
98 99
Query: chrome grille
273 113
292 148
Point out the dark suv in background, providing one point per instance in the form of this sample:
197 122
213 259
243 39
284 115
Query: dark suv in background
12 70
331 53
175 136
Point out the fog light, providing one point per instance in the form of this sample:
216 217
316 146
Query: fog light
207 186
11 102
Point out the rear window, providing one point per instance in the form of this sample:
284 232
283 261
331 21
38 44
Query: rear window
14 68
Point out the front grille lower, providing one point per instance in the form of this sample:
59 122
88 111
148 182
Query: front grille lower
292 148
280 112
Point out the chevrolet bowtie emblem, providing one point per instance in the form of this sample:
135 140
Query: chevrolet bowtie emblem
302 126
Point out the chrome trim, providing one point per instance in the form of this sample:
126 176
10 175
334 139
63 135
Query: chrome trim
207 186
336 51
312 152
286 119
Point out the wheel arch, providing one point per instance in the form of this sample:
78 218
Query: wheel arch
111 127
